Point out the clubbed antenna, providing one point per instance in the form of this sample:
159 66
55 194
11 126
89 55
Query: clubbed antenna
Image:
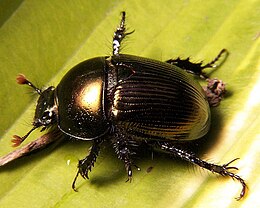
18 140
21 79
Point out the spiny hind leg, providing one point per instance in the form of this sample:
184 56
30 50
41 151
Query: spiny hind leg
197 68
223 170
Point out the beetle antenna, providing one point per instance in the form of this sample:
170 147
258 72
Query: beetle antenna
18 140
21 79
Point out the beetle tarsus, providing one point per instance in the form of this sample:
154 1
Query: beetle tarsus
192 158
224 171
119 35
213 63
123 153
125 149
129 173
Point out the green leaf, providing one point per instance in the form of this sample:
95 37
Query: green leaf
44 39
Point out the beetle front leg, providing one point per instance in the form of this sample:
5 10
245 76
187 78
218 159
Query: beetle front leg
85 165
197 68
119 35
223 170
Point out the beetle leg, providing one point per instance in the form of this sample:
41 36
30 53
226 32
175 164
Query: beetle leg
197 68
124 148
223 170
213 63
85 165
119 35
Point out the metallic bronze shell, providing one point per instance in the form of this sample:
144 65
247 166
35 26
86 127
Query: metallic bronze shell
160 101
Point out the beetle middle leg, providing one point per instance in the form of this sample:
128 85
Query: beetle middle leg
125 150
119 35
223 170
197 68
85 165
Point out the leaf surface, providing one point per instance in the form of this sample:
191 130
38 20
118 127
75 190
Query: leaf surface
44 39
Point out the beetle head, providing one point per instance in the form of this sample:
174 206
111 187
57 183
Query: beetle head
45 113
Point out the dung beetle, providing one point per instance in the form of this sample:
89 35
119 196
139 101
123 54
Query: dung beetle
128 101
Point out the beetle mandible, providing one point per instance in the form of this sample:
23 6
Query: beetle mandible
128 101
